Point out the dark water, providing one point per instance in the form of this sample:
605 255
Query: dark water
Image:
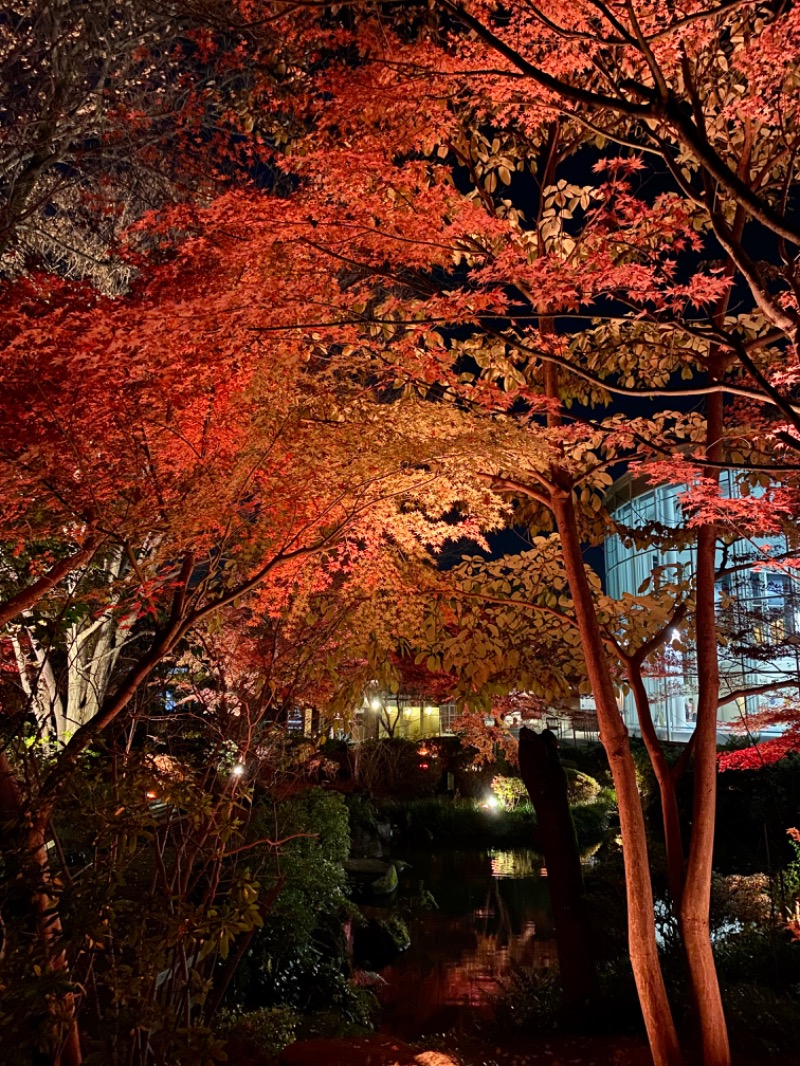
493 916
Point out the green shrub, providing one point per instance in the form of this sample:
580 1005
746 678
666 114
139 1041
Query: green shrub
352 1012
618 990
754 955
588 759
510 792
581 788
605 889
362 814
762 1021
298 957
530 1001
270 1029
591 822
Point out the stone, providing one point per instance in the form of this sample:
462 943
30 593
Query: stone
372 875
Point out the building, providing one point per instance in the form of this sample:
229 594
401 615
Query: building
758 612
409 716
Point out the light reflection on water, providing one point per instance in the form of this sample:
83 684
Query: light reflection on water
517 864
493 916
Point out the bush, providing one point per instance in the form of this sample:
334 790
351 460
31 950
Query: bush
762 1021
605 890
743 899
588 759
754 809
510 792
753 955
352 1012
591 823
298 957
759 973
618 989
269 1029
530 1001
581 788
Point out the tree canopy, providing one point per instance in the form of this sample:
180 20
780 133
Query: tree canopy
366 279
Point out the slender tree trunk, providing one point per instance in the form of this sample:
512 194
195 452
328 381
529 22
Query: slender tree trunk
546 782
697 892
666 786
655 1006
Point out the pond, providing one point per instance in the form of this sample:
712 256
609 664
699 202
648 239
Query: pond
493 916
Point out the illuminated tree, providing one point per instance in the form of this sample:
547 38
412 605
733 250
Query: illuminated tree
521 299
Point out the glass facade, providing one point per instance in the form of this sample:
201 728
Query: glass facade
758 613
384 715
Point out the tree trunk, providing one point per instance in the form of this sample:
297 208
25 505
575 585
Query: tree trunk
697 890
546 782
666 786
646 965
30 847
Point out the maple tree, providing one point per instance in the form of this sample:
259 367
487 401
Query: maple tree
433 251
218 466
584 298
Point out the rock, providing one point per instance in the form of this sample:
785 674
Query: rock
365 845
372 875
386 884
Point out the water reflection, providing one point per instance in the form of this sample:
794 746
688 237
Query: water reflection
494 915
517 864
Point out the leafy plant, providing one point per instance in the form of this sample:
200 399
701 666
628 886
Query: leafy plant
270 1029
529 1001
510 792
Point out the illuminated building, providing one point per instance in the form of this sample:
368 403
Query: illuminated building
758 613
385 715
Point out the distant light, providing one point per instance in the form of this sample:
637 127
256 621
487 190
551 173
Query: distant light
492 802
375 703
151 795
238 769
423 766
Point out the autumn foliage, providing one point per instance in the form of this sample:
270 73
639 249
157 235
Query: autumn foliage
383 278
